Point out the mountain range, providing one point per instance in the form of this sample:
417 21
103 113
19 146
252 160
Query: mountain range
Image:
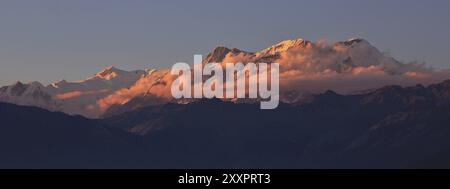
343 105
305 68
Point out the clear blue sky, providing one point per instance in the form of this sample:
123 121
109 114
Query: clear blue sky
47 40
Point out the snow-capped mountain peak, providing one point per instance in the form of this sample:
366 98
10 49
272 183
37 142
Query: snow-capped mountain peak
19 88
354 40
58 83
109 73
284 46
219 53
30 94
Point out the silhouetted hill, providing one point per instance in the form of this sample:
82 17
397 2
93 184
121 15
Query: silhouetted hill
392 127
36 138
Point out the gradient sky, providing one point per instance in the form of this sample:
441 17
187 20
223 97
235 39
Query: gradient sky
48 40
